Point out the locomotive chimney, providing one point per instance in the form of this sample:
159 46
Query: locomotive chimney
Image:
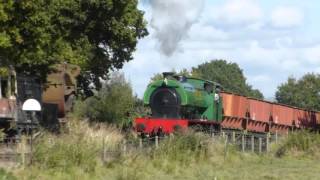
167 74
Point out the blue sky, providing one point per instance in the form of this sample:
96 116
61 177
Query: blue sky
270 39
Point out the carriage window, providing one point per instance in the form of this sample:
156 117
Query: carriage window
218 88
4 88
13 85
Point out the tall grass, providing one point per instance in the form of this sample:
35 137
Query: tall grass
4 175
77 154
301 143
2 135
79 147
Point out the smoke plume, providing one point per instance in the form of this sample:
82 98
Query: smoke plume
172 19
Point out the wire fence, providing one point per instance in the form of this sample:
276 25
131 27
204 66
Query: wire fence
14 151
20 150
243 141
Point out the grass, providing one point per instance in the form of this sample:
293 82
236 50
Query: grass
77 154
4 175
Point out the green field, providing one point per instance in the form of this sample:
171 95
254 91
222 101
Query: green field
77 154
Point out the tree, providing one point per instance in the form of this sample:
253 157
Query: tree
113 103
229 75
303 93
98 35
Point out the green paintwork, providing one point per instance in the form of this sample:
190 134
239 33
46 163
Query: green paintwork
195 100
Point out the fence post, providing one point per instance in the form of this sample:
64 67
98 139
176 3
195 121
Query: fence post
252 143
233 137
243 142
225 146
23 149
140 143
211 130
124 146
260 145
31 148
226 137
267 142
212 135
171 136
157 141
104 149
276 137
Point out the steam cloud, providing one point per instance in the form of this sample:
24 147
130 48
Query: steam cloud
172 19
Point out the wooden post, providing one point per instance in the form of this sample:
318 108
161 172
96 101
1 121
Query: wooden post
267 142
140 143
31 147
252 143
157 141
226 138
171 137
243 142
124 147
211 130
104 149
276 136
260 145
233 137
225 147
23 150
223 134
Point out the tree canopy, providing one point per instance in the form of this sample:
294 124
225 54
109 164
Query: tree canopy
229 75
304 92
113 103
98 35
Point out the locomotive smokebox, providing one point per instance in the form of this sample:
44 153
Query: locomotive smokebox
165 102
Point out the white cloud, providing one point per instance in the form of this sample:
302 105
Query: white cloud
201 32
238 31
312 55
286 17
237 12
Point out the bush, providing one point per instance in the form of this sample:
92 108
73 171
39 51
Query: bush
114 103
303 143
80 147
184 146
6 176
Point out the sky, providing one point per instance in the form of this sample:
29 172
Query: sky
269 39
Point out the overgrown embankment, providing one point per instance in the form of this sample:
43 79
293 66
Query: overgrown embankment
96 152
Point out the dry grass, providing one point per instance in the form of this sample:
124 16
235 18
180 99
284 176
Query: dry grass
77 155
95 133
